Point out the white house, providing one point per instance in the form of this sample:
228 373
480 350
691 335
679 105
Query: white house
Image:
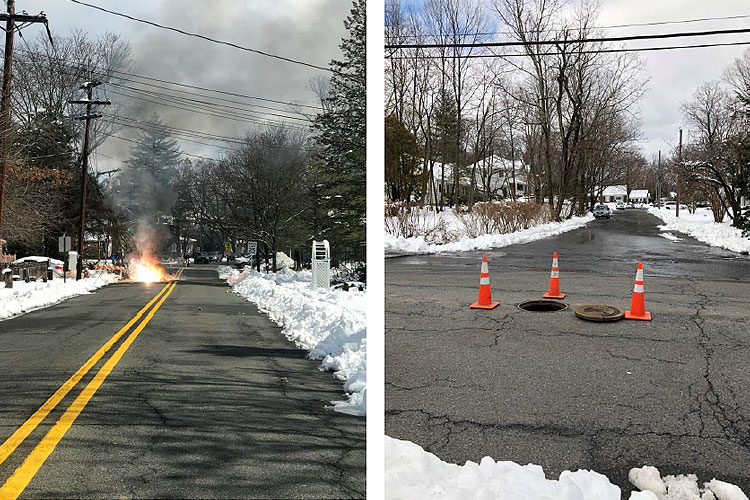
614 193
639 196
492 175
440 187
497 174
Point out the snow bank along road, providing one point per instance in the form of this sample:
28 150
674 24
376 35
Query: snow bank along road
549 389
210 400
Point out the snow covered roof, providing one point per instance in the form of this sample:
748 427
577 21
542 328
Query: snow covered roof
615 191
639 193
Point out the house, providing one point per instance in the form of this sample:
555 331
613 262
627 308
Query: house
496 175
639 196
614 193
440 187
492 175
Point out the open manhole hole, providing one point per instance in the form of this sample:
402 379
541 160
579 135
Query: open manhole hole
543 306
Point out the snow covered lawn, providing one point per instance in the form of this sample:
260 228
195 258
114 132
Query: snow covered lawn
331 324
418 245
412 473
25 297
702 227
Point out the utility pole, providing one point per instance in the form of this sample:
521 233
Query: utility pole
89 102
679 174
10 19
658 183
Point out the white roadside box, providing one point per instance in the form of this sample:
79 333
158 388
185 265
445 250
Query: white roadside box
321 264
72 261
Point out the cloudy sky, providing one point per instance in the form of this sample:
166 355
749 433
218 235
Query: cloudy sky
308 30
673 76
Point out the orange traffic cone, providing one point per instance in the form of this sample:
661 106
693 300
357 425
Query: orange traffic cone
638 304
485 295
554 281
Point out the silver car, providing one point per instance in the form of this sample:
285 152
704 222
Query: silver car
602 212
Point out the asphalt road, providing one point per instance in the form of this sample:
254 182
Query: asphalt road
209 401
550 389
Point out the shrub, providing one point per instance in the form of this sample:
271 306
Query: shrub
502 218
409 220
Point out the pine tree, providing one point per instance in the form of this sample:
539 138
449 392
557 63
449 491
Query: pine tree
341 135
145 185
402 175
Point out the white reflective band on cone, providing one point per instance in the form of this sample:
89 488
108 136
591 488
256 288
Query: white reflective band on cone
484 281
638 288
485 268
555 274
554 262
639 275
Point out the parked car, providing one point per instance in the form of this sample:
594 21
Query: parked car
202 258
214 256
630 204
620 205
602 211
670 205
56 265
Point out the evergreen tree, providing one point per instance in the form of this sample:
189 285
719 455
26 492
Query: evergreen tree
402 173
446 128
146 184
341 135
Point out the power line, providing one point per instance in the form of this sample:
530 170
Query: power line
612 26
203 37
573 41
190 101
185 85
203 111
598 51
187 134
187 92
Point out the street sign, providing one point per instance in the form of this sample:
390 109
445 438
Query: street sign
228 246
252 247
63 243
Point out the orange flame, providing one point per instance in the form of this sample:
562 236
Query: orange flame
147 270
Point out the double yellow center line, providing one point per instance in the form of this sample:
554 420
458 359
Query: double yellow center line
33 462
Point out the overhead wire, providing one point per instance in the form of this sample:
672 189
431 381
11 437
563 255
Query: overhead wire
186 134
118 72
658 36
611 26
204 37
557 53
224 109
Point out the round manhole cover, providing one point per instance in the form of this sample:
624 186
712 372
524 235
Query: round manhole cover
602 313
543 305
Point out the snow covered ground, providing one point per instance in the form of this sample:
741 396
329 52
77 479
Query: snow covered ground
417 245
412 473
25 297
331 324
702 227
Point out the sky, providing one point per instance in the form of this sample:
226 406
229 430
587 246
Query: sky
673 76
308 30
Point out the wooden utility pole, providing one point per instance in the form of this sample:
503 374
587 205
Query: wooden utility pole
679 174
89 102
658 183
10 19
